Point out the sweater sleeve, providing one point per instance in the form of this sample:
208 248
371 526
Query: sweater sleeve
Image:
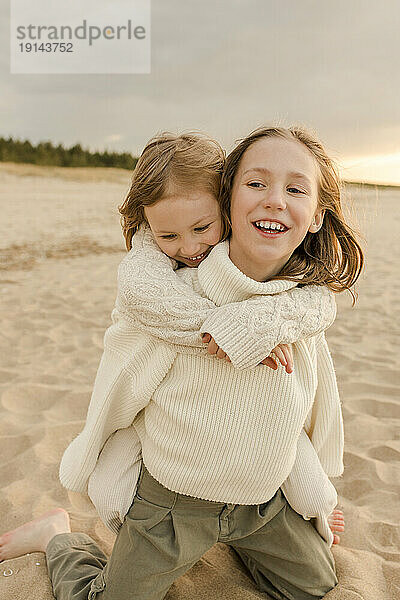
153 299
324 423
308 489
113 482
319 450
247 331
131 367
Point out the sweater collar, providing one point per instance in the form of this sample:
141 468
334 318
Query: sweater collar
223 282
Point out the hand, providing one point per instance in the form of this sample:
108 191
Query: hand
213 347
283 354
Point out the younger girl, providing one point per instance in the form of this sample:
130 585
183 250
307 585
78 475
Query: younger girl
218 440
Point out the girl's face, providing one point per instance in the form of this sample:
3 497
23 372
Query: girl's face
274 204
186 225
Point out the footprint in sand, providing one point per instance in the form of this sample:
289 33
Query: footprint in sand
30 341
364 426
357 465
28 399
388 473
6 376
12 446
49 449
71 408
374 407
385 539
387 376
387 453
355 489
361 389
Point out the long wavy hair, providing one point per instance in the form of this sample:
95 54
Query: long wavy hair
332 256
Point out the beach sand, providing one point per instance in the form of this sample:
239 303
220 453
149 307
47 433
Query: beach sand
60 245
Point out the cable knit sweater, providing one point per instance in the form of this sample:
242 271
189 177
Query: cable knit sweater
177 307
192 401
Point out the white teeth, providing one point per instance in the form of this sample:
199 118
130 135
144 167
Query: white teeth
270 225
194 257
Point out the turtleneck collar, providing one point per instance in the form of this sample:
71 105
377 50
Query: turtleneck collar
223 282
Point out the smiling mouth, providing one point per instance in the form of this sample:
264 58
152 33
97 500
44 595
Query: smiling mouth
197 258
270 228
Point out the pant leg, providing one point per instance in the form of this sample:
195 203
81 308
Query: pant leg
164 534
75 564
286 556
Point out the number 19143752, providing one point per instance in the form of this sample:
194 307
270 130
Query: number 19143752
46 47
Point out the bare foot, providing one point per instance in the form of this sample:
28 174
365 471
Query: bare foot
336 524
35 535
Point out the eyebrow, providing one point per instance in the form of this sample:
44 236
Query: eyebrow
291 174
206 218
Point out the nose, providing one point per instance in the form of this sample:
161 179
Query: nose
190 247
274 199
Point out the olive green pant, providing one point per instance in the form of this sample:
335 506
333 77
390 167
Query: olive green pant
165 533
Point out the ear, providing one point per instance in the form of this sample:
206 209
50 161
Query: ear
317 221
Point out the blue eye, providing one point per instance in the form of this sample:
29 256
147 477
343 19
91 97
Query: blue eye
256 184
294 190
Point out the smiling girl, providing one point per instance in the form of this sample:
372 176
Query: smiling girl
269 223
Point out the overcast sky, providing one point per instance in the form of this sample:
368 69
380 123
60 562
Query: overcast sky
226 67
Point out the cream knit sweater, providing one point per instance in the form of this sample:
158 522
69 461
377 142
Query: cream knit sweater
203 430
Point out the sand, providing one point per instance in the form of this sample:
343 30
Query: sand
60 245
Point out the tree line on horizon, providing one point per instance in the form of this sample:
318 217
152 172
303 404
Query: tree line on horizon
46 153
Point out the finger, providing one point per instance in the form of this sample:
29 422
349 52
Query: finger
288 353
269 362
206 337
221 353
279 355
212 347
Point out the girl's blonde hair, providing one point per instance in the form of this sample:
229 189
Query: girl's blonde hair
168 164
330 257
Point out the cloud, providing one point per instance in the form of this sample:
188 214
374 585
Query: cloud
376 168
226 67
